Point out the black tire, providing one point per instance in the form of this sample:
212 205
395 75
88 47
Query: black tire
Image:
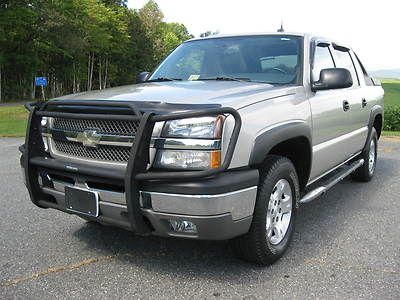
364 173
255 246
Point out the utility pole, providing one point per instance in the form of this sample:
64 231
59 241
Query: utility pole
42 82
44 98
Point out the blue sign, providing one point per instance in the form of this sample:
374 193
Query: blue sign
40 81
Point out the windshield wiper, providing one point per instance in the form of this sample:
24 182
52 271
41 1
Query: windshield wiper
160 79
225 78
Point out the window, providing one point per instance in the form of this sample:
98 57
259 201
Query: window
272 59
343 60
368 79
188 64
322 60
286 63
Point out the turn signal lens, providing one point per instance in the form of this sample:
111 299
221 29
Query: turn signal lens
215 159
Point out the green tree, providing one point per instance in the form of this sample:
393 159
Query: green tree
79 44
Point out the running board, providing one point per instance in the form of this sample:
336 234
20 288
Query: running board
315 193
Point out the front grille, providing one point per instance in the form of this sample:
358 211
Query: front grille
105 153
110 127
102 152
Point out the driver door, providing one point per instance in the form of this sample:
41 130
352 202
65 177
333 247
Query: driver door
329 119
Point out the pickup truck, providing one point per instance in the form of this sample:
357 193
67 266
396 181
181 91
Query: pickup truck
224 140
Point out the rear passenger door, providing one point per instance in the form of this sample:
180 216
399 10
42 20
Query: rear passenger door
354 96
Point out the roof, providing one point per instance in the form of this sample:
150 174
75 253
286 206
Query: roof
216 36
308 35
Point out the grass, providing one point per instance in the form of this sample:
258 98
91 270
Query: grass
13 120
392 92
391 133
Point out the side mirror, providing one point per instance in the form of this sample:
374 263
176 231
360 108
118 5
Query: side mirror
142 77
334 78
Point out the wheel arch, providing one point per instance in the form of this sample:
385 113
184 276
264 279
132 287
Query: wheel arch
291 140
376 120
378 124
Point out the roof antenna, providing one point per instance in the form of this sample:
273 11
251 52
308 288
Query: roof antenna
281 29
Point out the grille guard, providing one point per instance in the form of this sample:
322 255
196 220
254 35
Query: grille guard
35 156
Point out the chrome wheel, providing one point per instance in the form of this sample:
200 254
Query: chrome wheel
279 211
372 157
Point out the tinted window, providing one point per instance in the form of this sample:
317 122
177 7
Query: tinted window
322 60
270 59
189 63
343 60
287 63
368 80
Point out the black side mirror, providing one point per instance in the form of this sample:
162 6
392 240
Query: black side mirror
142 77
334 78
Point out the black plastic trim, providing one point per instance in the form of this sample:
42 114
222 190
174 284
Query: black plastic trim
375 111
228 181
75 168
270 138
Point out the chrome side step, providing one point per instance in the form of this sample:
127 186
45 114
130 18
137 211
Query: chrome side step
315 193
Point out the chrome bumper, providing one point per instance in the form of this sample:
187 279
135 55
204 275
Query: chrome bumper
239 204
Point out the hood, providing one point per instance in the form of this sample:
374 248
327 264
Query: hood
233 94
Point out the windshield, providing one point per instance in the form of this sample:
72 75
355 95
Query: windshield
271 59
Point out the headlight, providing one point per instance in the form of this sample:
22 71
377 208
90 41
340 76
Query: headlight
206 127
188 159
191 144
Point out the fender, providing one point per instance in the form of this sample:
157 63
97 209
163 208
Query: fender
375 110
275 135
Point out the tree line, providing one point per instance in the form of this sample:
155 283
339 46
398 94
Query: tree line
79 45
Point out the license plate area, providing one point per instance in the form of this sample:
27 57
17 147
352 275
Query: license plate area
82 201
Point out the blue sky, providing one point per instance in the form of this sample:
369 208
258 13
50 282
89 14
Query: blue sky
369 27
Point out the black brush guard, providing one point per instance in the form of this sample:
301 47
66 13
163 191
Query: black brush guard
35 156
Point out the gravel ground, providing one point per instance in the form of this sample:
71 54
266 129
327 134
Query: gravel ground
347 244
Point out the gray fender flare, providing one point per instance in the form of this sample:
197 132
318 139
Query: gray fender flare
275 135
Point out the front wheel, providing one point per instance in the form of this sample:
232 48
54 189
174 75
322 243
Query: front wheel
369 154
274 214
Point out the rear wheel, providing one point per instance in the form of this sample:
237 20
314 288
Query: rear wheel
274 214
369 154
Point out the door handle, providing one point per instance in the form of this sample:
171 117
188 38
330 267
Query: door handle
363 103
346 105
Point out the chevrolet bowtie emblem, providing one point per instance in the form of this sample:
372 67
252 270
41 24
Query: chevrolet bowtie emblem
89 138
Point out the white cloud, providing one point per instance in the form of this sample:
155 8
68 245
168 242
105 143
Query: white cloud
369 27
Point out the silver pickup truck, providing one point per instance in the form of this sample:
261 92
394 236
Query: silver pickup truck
224 140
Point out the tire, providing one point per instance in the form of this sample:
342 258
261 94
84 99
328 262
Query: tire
370 155
262 246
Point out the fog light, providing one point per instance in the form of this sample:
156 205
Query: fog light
183 226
